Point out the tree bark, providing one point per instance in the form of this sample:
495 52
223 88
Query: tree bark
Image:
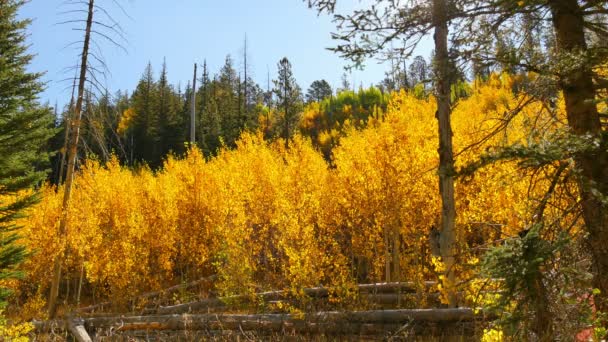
577 86
446 154
72 152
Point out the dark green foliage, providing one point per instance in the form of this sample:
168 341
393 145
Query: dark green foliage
420 72
318 91
558 146
160 123
161 117
289 100
146 126
522 262
25 127
541 284
226 107
172 123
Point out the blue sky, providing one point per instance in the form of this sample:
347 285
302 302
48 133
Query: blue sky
188 31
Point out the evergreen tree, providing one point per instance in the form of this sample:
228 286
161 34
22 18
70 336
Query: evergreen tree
345 83
164 93
202 106
318 91
25 128
289 99
211 121
146 123
254 99
171 125
226 95
419 71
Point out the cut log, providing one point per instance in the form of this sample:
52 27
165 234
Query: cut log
76 328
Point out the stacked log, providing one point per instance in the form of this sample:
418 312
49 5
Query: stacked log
371 322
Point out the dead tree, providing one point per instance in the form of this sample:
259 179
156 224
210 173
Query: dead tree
88 74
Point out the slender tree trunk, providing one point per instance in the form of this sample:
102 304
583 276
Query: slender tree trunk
576 84
239 92
80 279
246 104
64 151
396 276
268 104
72 152
193 110
132 148
286 108
446 154
387 256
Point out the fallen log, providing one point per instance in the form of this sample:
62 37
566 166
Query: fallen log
315 292
406 287
331 320
76 328
49 326
371 322
148 295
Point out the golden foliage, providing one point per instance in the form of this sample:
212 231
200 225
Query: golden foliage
264 217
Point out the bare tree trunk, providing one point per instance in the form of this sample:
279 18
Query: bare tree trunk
246 104
72 151
80 279
286 108
576 84
64 151
387 257
268 103
446 154
193 110
239 92
396 276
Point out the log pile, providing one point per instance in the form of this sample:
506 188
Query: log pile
196 320
373 322
386 294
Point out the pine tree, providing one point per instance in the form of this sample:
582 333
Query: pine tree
227 101
146 125
318 91
419 71
202 106
25 128
163 108
289 99
211 120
